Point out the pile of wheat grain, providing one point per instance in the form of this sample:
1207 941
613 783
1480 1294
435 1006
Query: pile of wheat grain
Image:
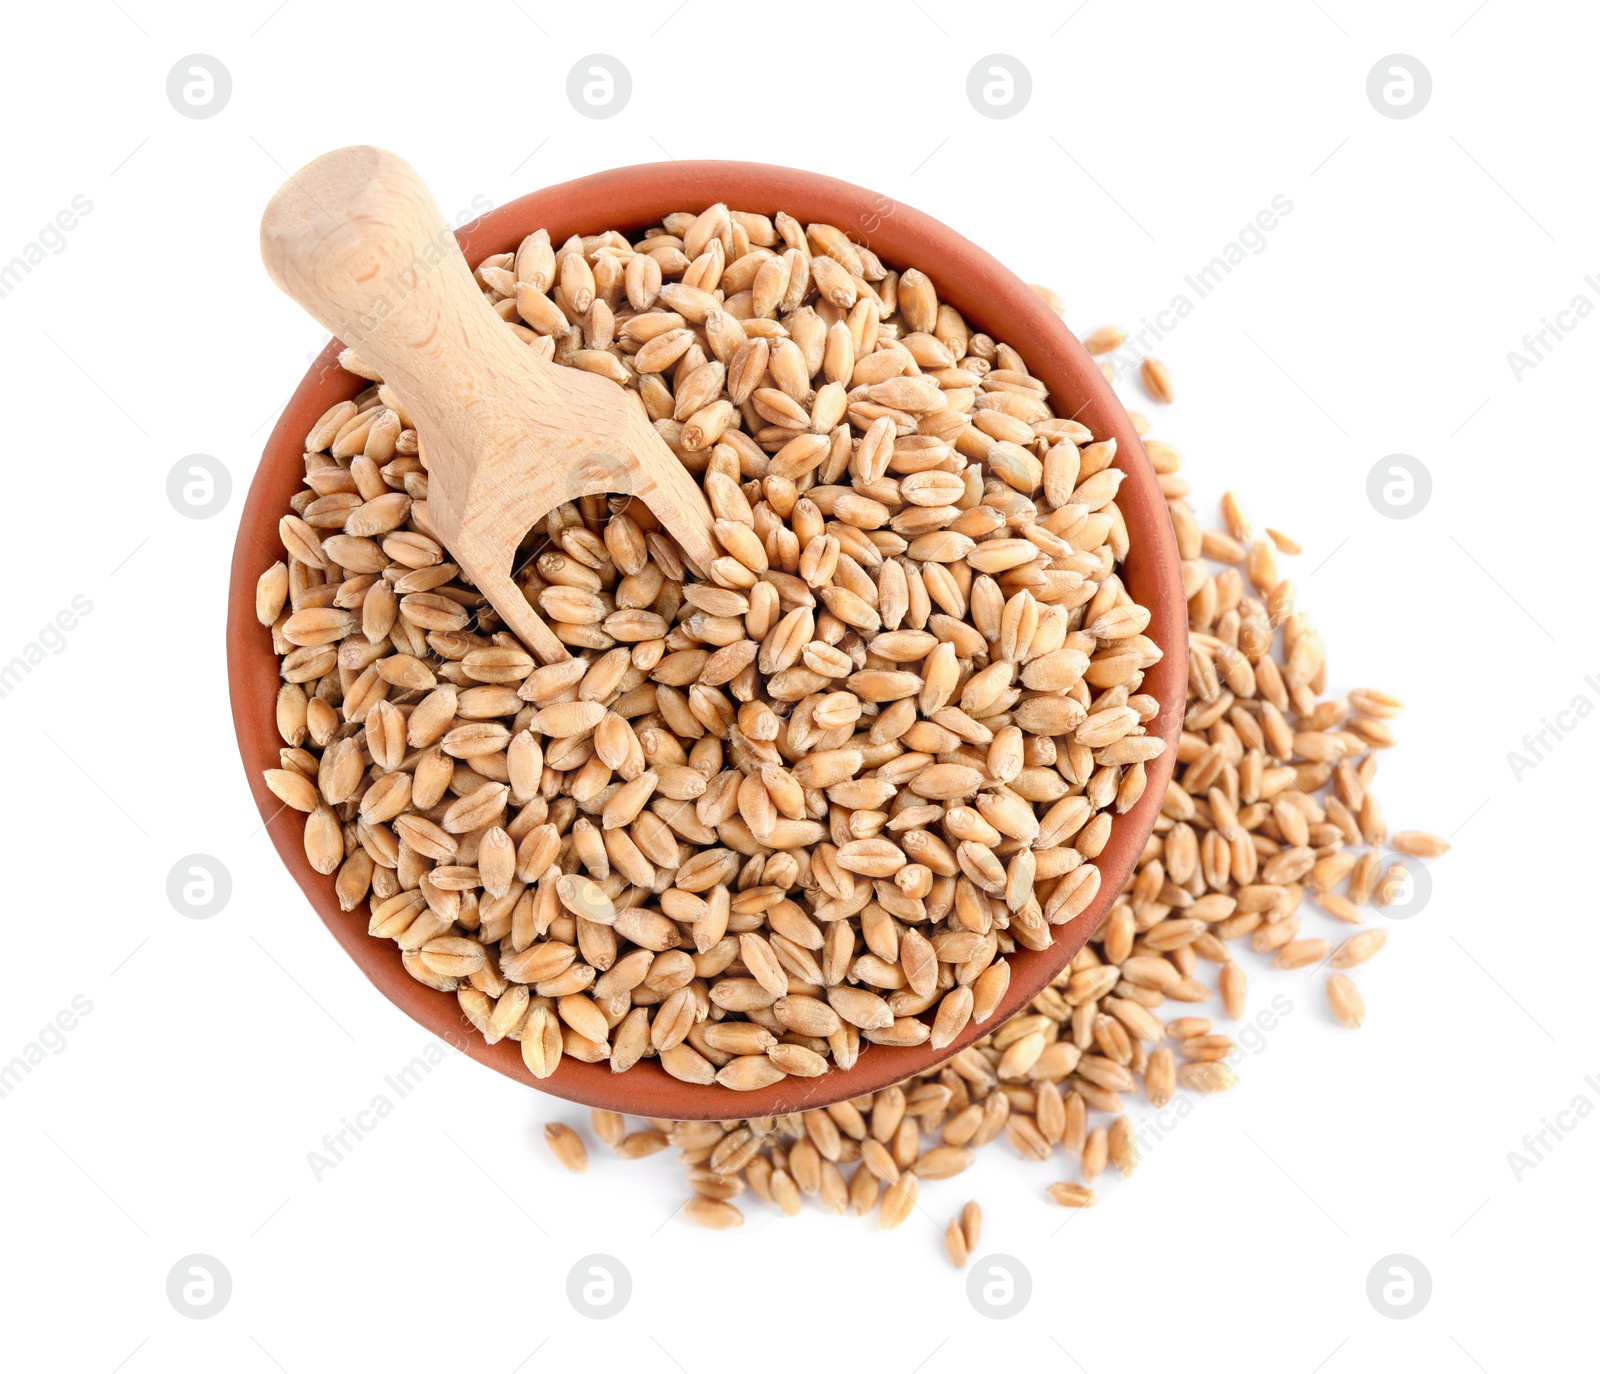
1271 810
772 811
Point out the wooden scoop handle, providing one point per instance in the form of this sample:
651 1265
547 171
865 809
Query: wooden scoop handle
357 239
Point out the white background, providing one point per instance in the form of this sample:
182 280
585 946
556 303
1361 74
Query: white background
179 1116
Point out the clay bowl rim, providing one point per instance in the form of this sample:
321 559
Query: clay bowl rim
992 299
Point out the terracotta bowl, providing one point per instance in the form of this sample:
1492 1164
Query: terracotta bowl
993 300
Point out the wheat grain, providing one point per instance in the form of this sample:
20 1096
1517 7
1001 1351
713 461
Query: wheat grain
567 1146
955 1243
781 725
1153 373
1254 790
1106 339
1345 1001
713 1213
837 589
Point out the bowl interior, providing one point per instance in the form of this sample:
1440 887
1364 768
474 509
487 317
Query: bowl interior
993 300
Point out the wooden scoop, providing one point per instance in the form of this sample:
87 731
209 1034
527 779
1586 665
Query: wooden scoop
356 238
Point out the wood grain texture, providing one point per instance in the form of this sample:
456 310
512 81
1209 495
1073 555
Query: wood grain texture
357 239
